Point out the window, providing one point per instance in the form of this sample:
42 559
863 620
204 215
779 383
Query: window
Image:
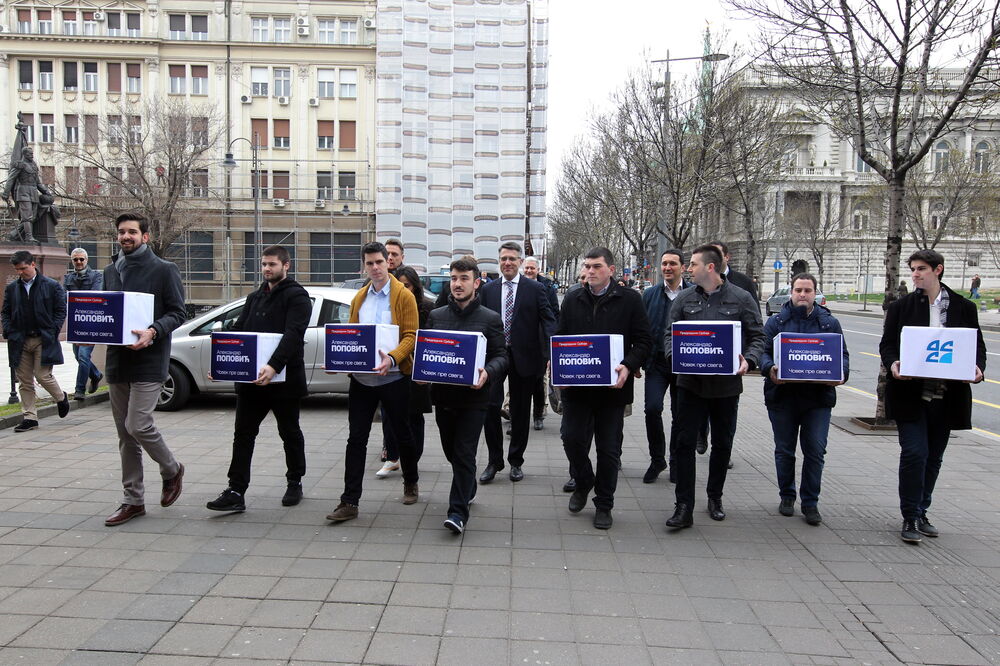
281 136
89 24
178 26
259 31
133 78
199 132
133 24
348 183
90 130
347 135
24 21
70 26
349 83
135 130
26 77
199 79
29 131
90 77
72 129
859 220
45 75
974 259
346 247
324 128
113 20
348 31
199 183
44 22
114 77
192 253
91 182
324 185
981 160
251 265
282 82
70 74
283 30
48 126
327 79
320 264
73 179
116 133
941 151
327 31
199 27
863 167
938 216
258 81
281 181
258 131
258 178
178 79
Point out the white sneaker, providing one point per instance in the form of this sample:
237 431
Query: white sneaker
388 468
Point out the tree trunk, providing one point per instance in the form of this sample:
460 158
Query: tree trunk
893 251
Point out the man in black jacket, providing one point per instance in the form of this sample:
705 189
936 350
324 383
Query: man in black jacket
84 278
598 413
280 305
925 410
531 270
460 410
741 280
136 372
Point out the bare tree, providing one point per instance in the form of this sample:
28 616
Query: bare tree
152 158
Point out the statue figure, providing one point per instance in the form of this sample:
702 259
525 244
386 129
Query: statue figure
47 218
25 183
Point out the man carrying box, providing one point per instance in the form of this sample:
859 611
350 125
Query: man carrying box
800 410
925 410
136 372
280 305
384 300
598 413
714 396
461 410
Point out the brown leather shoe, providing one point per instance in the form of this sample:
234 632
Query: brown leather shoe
411 493
125 513
172 488
344 511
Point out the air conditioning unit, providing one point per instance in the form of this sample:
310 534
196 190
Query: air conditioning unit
278 203
246 99
314 101
302 20
98 16
320 203
4 28
369 24
303 31
283 101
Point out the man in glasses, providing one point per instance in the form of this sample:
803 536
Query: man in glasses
84 278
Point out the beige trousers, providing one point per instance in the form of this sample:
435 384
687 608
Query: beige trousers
31 369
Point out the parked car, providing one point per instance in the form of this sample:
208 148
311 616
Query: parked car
191 349
354 283
782 296
435 284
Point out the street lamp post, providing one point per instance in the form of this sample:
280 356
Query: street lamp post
229 164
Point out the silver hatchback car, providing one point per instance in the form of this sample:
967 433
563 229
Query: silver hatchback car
782 296
190 351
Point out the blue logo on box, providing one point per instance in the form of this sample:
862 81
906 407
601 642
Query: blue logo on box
234 358
95 318
349 348
581 360
940 352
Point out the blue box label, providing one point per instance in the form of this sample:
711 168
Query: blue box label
817 357
234 357
447 357
582 360
95 317
703 348
349 348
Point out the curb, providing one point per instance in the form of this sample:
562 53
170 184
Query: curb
993 328
52 410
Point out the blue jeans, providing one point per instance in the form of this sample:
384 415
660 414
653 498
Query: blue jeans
659 380
974 293
86 369
921 449
810 427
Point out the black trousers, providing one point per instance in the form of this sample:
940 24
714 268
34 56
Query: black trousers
521 389
252 405
460 430
692 411
538 398
362 403
581 423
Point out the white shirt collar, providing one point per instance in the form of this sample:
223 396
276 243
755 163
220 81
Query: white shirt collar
515 279
384 290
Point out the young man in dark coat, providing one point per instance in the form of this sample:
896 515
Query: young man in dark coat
598 413
136 372
925 410
34 309
280 305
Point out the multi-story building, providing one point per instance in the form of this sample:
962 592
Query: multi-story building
297 77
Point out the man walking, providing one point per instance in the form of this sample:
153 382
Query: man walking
136 372
925 410
713 396
84 278
461 410
280 305
528 322
598 413
800 410
976 284
659 377
384 300
34 309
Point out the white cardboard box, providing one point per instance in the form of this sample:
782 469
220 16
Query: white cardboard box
107 317
355 347
238 357
706 347
448 357
938 353
586 360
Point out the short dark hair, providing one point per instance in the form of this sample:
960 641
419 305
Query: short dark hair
465 264
710 255
600 253
398 243
725 248
511 245
411 276
374 248
674 250
930 257
22 257
805 276
279 252
132 216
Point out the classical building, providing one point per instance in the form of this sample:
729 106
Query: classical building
296 77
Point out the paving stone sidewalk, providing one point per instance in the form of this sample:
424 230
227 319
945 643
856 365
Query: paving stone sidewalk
528 583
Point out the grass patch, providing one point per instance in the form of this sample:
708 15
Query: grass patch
11 410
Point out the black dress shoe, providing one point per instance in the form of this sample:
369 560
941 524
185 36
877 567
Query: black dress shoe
578 499
603 519
570 485
924 527
682 517
228 500
787 506
701 446
63 405
653 472
730 465
811 515
715 509
516 473
488 473
910 533
26 425
293 495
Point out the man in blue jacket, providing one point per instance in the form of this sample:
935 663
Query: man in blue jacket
84 278
799 410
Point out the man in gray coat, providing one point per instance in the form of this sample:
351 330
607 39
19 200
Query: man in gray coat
136 372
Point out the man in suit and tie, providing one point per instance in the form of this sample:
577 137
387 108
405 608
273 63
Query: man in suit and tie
528 322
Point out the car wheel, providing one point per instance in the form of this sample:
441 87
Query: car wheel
175 391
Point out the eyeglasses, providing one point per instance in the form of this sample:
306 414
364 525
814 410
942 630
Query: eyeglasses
76 259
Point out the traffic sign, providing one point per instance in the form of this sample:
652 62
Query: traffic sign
777 265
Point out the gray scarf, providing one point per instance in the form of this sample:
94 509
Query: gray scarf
123 260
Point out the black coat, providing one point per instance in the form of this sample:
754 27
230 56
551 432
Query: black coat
50 313
149 274
903 396
474 318
89 280
620 311
284 309
531 327
420 394
744 282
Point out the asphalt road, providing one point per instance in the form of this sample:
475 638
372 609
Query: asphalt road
863 335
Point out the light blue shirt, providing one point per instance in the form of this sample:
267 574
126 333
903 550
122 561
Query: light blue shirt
375 310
